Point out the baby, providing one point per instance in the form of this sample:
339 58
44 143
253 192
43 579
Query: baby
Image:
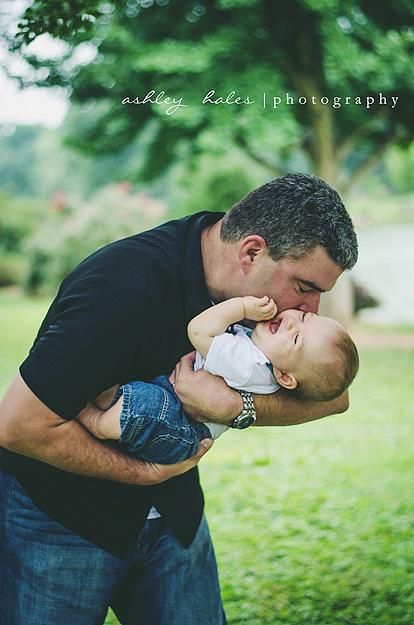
299 351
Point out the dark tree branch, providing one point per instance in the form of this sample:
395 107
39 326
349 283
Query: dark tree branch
366 165
276 170
348 145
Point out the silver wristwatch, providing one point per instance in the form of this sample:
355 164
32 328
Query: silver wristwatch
248 415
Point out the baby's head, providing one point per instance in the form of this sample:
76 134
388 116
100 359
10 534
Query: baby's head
311 354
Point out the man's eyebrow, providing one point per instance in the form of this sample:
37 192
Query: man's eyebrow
312 285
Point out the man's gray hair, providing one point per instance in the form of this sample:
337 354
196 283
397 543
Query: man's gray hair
294 214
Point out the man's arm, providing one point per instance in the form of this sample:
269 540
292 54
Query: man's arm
30 428
206 397
215 320
282 408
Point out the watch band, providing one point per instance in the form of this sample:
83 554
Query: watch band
248 415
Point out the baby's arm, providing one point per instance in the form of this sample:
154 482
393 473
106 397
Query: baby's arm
215 320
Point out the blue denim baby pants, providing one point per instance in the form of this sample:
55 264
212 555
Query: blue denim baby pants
153 424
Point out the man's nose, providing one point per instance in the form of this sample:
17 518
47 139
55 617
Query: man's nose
312 303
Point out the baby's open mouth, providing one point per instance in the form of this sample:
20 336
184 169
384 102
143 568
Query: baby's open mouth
274 325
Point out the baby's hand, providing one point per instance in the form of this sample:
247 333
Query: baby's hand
259 308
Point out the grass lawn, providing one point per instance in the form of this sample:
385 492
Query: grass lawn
313 525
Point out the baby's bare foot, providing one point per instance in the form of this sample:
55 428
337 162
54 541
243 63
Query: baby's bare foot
105 399
89 417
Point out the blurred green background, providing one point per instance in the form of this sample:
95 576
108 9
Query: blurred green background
312 524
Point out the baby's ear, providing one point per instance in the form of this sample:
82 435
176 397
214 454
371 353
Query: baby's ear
287 380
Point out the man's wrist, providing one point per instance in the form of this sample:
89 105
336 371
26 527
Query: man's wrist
237 405
247 416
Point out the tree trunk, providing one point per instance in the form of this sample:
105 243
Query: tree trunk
338 303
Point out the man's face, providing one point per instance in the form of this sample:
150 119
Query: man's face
294 283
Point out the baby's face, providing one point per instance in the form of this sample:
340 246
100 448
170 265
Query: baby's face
295 339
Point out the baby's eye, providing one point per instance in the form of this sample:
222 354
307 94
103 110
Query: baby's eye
296 339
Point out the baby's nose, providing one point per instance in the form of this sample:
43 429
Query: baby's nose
291 323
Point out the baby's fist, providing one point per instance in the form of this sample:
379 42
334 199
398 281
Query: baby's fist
259 308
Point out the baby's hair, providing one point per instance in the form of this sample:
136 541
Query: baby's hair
330 379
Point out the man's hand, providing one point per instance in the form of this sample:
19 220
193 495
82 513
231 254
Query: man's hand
153 474
259 308
204 397
283 408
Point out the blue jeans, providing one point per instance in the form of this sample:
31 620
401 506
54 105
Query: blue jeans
50 576
153 424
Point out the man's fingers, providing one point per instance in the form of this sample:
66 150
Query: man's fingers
174 374
205 445
162 472
185 365
171 377
187 361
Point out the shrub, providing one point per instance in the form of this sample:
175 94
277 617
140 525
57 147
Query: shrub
19 217
64 240
12 269
215 184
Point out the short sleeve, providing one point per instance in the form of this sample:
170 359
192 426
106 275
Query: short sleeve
89 342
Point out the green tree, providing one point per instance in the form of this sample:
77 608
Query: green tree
19 217
17 155
399 167
26 154
307 48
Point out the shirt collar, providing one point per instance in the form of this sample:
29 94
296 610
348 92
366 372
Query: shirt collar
262 359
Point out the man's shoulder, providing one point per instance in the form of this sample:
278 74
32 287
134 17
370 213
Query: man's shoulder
160 245
139 262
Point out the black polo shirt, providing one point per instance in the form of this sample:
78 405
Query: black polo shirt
121 315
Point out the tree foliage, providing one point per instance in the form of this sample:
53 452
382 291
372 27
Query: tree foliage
26 154
18 218
399 165
306 48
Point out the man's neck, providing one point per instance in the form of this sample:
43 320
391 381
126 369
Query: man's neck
217 262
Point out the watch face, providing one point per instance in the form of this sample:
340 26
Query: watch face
245 422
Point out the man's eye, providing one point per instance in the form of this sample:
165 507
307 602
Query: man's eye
302 290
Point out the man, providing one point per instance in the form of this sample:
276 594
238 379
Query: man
76 537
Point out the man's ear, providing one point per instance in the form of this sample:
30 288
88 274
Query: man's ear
251 248
287 380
